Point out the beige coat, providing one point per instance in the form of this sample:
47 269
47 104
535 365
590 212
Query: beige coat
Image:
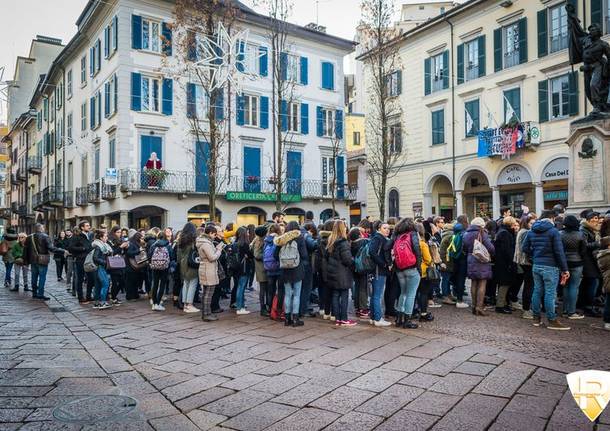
208 267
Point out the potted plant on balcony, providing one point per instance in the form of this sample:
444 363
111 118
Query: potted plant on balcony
252 179
154 178
272 180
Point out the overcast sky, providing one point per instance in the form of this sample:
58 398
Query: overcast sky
25 19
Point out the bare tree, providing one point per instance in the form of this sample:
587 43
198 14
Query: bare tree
337 150
384 120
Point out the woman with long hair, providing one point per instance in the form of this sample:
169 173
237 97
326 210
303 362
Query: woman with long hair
160 255
504 267
208 269
478 271
242 241
135 276
60 256
406 247
101 251
377 250
188 273
340 266
119 245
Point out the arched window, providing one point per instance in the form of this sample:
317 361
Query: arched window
393 203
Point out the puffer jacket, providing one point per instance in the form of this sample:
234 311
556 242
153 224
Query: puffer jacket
543 244
377 248
447 263
574 246
269 243
208 267
293 275
477 270
340 266
504 268
10 239
426 258
590 268
521 258
603 261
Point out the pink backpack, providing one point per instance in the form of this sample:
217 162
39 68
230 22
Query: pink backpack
404 257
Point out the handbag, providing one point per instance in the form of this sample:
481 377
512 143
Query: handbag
115 262
193 259
480 252
40 259
432 273
139 261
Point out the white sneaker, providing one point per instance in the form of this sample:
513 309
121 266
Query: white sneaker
607 326
151 301
527 314
371 322
516 306
104 306
432 304
332 318
153 307
382 323
325 316
461 305
242 311
321 312
191 309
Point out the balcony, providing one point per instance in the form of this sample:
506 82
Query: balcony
180 182
14 207
5 214
94 193
22 211
35 165
53 196
81 196
21 175
15 181
108 192
69 200
37 200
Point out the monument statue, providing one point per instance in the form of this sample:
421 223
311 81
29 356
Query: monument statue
594 53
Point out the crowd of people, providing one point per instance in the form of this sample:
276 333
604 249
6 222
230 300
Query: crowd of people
397 270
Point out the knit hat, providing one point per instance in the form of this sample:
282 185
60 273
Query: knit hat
458 227
570 222
478 221
261 231
11 230
131 232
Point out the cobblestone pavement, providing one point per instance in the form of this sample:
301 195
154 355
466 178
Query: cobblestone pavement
249 373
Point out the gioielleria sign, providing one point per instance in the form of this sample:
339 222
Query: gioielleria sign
591 391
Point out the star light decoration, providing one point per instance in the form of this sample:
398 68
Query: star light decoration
220 55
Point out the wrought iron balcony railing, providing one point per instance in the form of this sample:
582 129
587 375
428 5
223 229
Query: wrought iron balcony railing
52 195
81 196
69 199
35 164
94 192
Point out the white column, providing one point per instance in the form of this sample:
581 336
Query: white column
459 203
539 197
495 201
124 218
427 204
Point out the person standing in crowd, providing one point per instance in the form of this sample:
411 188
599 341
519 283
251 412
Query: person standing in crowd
61 242
524 265
479 271
543 244
505 267
101 251
135 274
224 281
271 264
21 268
80 246
37 251
603 261
251 269
361 280
160 255
292 254
243 257
208 269
460 262
365 227
425 285
377 248
256 248
340 267
590 228
278 217
150 237
505 211
446 265
325 292
188 268
310 245
575 247
69 262
117 275
405 246
9 239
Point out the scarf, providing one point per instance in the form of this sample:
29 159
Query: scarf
103 246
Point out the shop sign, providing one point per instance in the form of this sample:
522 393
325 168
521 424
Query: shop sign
514 174
558 195
261 197
418 208
505 141
558 169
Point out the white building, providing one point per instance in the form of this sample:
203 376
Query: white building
107 102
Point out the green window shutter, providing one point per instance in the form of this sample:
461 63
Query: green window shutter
498 49
460 64
446 69
596 13
573 85
523 40
427 86
543 35
543 101
482 58
441 120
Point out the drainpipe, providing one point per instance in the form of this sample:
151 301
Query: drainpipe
63 148
452 84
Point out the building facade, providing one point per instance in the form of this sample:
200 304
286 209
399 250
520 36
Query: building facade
487 108
110 100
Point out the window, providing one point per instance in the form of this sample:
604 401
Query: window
394 83
560 96
510 47
39 120
293 117
393 203
328 123
150 94
471 109
95 109
199 101
251 61
251 110
69 80
151 35
292 68
472 59
395 138
83 116
356 138
110 38
110 97
59 95
512 105
70 177
84 170
52 109
112 151
328 173
96 163
69 121
437 72
438 127
45 109
95 58
558 20
442 10
83 71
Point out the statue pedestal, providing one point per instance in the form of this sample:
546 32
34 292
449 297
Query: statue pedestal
589 182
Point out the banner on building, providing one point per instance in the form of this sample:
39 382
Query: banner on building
505 141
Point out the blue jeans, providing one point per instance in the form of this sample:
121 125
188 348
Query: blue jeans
378 288
102 282
446 283
7 274
546 279
240 300
409 281
292 297
39 278
570 290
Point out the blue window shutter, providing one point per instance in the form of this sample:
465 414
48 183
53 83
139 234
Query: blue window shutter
136 32
399 79
136 91
573 97
252 169
446 69
106 99
98 50
202 155
106 42
482 60
304 118
240 110
166 32
339 124
427 76
191 110
263 60
98 110
116 94
328 75
460 64
264 105
219 109
91 61
115 33
340 177
284 116
304 75
92 113
240 56
284 66
293 172
319 122
167 106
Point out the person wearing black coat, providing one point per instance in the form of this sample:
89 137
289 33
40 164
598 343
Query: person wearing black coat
505 267
79 248
377 249
119 246
61 242
575 247
134 276
37 245
361 292
101 251
340 267
590 228
160 277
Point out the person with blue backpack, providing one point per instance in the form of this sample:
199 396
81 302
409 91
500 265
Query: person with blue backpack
363 267
271 264
377 250
161 256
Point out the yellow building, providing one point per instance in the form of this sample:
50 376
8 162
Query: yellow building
480 66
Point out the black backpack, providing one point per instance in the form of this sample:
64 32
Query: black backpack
233 261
